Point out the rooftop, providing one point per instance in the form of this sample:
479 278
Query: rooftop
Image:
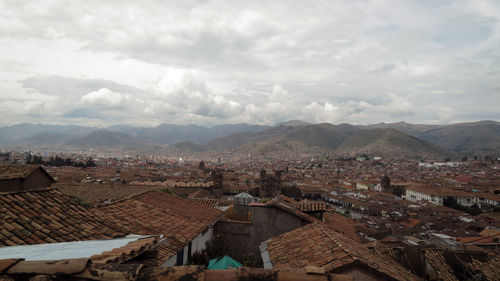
47 216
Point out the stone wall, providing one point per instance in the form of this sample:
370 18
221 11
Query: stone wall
244 237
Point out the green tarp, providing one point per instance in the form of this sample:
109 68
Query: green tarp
226 262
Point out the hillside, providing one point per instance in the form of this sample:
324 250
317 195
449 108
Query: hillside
474 138
171 133
471 138
387 142
235 140
410 129
302 139
187 146
467 138
109 139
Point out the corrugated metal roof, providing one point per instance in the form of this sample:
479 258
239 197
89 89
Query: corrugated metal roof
65 250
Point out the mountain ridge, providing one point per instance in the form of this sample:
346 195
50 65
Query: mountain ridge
467 138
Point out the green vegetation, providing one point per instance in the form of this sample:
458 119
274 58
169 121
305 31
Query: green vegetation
80 202
264 200
167 190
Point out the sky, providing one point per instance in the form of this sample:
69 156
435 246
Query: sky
143 63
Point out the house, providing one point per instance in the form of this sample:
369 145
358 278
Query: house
186 224
437 195
14 178
47 216
312 208
246 226
317 245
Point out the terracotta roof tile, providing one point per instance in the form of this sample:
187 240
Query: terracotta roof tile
99 193
436 260
317 245
213 202
20 171
157 212
36 222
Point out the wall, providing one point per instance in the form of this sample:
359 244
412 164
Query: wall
36 180
244 237
361 274
10 185
199 243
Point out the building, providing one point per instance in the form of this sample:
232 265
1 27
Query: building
186 224
270 184
15 178
317 245
47 216
437 195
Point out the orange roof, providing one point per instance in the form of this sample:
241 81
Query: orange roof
341 224
20 171
47 216
317 245
98 193
157 212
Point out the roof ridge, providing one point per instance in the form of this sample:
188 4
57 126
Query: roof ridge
122 199
27 191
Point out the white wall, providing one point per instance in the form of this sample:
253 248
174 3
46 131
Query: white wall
198 243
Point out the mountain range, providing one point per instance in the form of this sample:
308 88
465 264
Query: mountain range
294 136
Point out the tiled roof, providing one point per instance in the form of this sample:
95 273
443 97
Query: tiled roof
393 252
490 269
213 202
317 245
47 216
98 193
157 212
310 206
288 209
19 171
304 205
436 260
341 224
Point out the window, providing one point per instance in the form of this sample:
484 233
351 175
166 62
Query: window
180 257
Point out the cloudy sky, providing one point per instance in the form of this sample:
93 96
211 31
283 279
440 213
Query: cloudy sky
263 62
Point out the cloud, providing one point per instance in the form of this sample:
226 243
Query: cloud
212 62
105 97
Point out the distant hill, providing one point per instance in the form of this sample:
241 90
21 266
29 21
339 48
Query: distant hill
301 139
386 141
294 123
467 138
343 139
321 135
25 131
474 138
109 139
236 140
471 138
187 146
407 128
171 133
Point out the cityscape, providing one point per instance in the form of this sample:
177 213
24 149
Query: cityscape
284 140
